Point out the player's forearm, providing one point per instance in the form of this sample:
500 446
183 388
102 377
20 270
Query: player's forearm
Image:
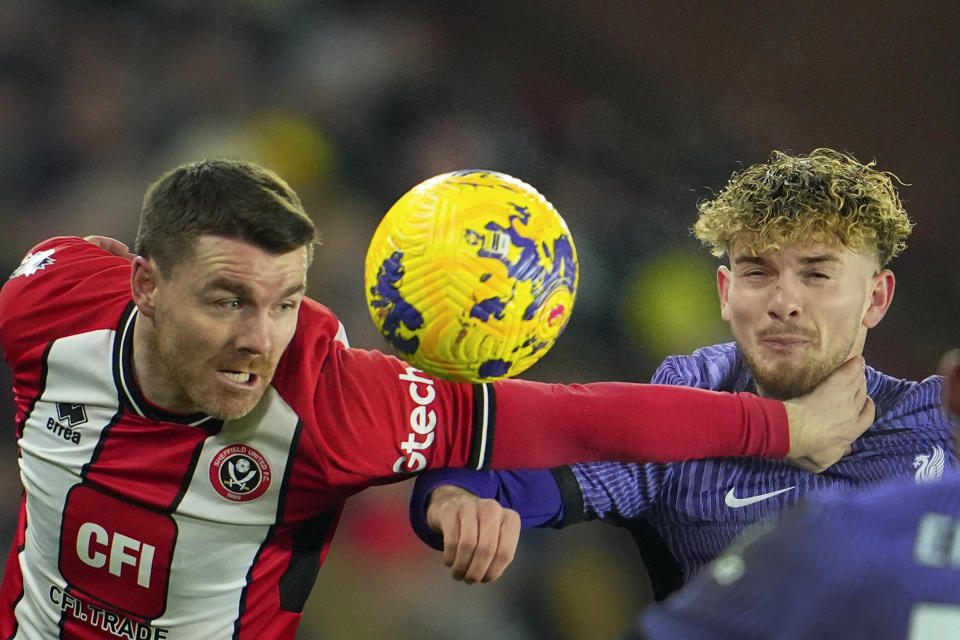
546 425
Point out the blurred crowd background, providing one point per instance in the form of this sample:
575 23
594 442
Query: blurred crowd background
624 114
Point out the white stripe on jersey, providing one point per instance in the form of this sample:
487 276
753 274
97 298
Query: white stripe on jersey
214 532
484 427
127 385
214 539
78 367
341 336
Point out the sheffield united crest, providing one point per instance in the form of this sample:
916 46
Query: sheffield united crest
240 473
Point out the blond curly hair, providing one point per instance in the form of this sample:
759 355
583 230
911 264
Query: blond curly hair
824 195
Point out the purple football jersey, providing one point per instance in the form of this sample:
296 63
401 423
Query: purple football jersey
883 563
683 514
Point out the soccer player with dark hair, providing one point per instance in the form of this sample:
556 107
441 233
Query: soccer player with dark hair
808 238
189 423
883 563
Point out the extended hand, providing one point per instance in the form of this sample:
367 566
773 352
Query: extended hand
479 535
824 422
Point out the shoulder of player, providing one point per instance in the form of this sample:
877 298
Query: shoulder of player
316 319
312 342
716 367
63 286
61 262
319 349
896 397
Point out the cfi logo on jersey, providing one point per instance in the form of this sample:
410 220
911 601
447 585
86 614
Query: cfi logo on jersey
929 467
240 473
33 262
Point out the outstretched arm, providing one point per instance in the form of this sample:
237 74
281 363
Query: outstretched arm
542 426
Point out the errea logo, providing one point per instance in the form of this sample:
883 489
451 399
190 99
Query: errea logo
34 262
69 417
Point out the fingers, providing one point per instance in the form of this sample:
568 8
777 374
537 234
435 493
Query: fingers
867 415
112 245
476 552
506 546
830 455
852 373
487 542
463 548
807 465
450 527
480 536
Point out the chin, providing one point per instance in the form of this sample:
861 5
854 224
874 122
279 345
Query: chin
787 388
230 413
231 408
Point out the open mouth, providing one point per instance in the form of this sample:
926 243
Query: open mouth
242 378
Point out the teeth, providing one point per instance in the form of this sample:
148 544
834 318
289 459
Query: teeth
237 376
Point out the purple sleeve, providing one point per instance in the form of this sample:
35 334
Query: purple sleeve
535 495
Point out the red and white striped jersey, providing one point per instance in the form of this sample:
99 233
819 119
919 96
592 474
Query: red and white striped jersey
143 524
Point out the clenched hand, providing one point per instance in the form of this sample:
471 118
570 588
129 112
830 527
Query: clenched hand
827 420
479 535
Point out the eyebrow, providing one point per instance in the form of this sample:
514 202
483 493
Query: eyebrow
244 291
819 258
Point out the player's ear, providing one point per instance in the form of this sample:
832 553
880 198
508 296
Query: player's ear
724 278
879 298
144 278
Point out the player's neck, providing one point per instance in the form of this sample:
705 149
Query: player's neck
152 376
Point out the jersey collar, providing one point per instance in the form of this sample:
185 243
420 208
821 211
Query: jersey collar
129 391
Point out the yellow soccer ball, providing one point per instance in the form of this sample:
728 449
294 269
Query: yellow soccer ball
471 276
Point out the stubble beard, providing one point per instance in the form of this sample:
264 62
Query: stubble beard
191 379
785 381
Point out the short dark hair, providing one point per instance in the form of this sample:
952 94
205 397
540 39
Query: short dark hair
228 198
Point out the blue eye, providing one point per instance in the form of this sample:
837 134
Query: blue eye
230 305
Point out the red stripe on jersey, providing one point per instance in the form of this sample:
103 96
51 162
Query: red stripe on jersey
146 461
12 589
296 555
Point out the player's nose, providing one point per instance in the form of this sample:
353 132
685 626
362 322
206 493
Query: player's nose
785 300
254 334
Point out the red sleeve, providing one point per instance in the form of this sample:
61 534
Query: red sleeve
63 286
369 417
545 425
33 305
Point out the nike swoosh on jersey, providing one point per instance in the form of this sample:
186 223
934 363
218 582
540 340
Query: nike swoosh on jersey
734 502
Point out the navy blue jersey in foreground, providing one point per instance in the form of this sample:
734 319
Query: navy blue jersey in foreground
884 563
683 514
